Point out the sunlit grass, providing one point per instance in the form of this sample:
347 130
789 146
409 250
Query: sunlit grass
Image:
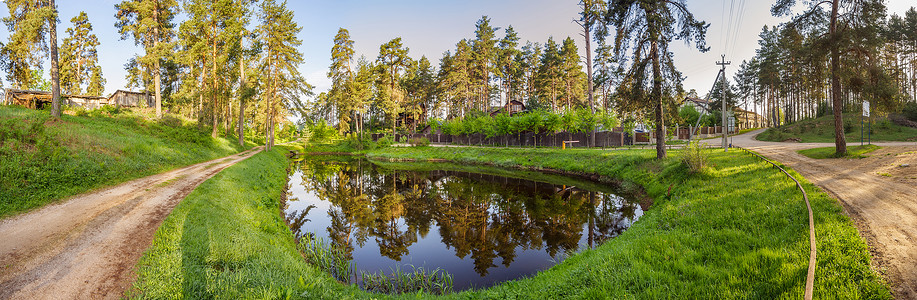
829 152
736 230
42 160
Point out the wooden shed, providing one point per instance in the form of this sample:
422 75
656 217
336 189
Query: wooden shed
28 98
131 99
84 101
40 99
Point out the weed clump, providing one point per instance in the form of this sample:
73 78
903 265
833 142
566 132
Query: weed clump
419 142
695 157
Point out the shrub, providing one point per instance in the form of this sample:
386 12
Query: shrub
385 141
910 111
695 157
419 142
848 127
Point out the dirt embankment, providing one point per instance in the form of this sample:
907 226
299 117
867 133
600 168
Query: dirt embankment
879 193
86 247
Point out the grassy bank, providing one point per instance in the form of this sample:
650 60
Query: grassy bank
821 130
42 160
737 230
828 152
227 239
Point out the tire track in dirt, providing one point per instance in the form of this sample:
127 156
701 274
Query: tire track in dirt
86 247
884 208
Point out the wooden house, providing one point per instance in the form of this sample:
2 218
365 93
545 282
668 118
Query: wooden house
512 108
131 99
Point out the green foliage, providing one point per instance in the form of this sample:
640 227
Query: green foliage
538 121
79 60
42 160
321 132
910 111
688 115
695 157
419 142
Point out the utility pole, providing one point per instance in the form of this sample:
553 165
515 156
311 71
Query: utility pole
723 65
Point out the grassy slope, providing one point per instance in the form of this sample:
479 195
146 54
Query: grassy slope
42 160
821 130
227 239
829 152
737 231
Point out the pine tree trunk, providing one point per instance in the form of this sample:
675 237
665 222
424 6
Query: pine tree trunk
213 91
657 95
840 141
241 101
157 74
55 74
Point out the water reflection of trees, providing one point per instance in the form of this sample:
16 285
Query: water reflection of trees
477 215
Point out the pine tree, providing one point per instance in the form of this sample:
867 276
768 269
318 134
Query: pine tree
80 60
509 64
393 60
852 24
485 56
342 77
213 33
646 28
149 23
282 82
28 23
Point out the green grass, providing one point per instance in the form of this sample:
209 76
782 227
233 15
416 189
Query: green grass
42 160
737 229
828 152
821 130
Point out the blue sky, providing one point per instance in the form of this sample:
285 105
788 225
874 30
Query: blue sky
431 27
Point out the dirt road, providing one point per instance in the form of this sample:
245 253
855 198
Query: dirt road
877 192
86 247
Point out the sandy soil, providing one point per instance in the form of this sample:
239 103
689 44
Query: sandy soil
86 247
878 193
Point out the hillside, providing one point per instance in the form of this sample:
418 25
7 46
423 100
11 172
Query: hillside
43 160
821 130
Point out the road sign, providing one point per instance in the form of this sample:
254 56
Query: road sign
866 109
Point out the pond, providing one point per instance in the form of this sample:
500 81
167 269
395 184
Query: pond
481 225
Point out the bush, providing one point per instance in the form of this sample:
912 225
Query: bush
385 141
910 111
695 157
848 127
419 142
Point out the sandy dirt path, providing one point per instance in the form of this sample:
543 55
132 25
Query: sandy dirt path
877 192
86 247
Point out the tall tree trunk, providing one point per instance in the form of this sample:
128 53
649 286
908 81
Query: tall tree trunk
213 91
587 29
55 75
157 74
657 95
241 100
840 141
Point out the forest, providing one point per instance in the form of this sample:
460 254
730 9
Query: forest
234 67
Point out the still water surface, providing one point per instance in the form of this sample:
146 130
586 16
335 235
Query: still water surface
481 228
